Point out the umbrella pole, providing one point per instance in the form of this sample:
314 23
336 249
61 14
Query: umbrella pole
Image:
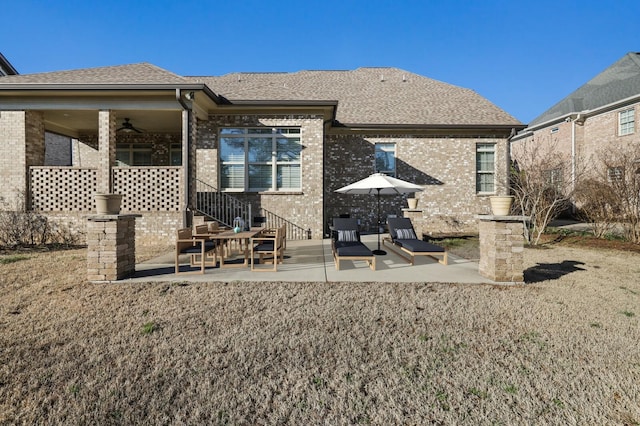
379 252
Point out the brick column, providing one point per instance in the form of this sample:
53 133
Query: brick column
502 248
111 247
106 149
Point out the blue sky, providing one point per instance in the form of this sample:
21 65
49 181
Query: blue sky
524 56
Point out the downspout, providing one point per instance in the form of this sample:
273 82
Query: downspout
579 119
573 154
186 165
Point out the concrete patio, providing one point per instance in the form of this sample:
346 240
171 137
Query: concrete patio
311 260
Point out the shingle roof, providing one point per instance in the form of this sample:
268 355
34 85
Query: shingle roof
142 73
367 96
620 81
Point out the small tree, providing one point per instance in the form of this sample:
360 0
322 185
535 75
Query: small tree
541 182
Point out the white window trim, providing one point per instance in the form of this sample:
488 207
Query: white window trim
486 172
276 133
629 124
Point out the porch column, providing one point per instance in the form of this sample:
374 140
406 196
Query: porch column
502 248
22 147
111 247
106 150
188 165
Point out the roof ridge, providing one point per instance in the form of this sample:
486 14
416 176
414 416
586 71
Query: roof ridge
635 57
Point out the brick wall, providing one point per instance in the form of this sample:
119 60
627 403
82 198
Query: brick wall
303 208
446 166
598 133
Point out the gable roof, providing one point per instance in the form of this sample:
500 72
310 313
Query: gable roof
620 81
367 96
142 73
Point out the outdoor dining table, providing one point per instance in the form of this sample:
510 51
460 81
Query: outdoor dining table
224 249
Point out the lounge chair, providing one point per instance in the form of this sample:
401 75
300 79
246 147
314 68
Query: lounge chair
201 250
404 242
346 244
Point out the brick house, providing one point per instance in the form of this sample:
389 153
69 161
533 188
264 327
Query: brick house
599 115
269 145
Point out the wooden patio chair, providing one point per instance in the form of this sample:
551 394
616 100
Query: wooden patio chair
201 250
268 247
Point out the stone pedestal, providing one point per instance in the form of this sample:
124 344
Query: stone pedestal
502 248
111 247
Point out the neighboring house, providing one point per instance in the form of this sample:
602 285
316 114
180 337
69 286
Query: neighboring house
5 67
598 117
271 145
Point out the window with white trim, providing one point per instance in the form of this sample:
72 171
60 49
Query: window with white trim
385 159
485 168
626 122
260 159
134 154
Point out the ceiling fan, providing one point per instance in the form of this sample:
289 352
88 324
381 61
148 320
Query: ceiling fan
128 127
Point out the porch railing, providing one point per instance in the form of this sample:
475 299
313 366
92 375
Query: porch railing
221 206
224 208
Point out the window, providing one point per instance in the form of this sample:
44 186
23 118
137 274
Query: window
485 167
133 154
175 154
385 159
626 122
260 159
554 178
555 130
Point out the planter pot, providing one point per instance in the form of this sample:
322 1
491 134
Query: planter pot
501 204
412 203
108 203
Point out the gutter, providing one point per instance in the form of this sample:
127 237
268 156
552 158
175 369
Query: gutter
110 87
186 148
583 115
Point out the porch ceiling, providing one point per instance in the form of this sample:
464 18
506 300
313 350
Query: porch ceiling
77 122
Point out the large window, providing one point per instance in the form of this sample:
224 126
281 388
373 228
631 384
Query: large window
385 158
260 159
626 122
133 154
485 167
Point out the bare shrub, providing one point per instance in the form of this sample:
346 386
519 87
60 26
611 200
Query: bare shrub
597 206
618 170
20 227
541 181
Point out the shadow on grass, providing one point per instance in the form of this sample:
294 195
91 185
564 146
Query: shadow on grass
551 271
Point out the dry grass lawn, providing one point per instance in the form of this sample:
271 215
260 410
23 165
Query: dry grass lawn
557 351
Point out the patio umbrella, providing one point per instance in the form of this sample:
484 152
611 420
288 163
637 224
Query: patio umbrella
380 184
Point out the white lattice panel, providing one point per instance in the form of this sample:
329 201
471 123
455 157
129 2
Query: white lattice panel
148 188
62 189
